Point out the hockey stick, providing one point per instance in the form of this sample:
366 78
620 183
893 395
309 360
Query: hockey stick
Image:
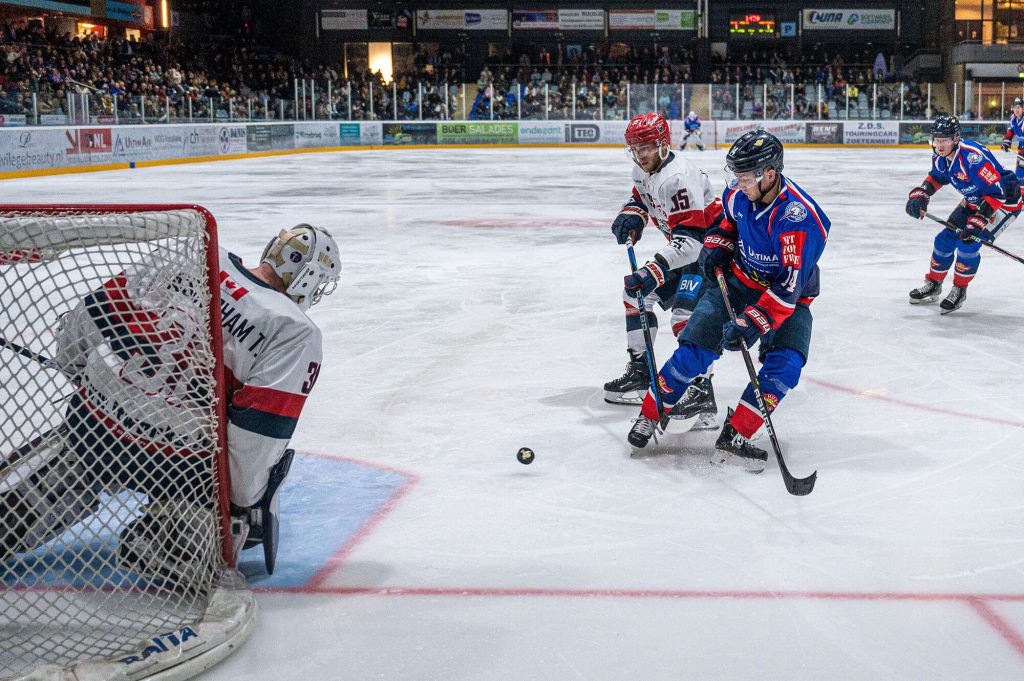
795 486
25 352
649 346
956 230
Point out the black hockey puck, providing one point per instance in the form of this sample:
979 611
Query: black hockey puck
525 456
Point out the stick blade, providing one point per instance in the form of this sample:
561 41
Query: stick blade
801 487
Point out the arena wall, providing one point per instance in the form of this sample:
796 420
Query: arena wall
26 151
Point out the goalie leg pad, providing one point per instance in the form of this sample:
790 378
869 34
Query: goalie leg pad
44 489
173 542
263 517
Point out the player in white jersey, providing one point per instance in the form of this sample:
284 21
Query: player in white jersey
677 197
272 356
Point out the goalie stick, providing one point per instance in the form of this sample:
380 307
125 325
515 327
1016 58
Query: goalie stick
796 486
25 352
956 230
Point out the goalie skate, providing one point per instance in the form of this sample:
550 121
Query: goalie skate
165 545
263 521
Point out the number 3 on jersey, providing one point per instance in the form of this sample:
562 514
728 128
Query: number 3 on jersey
314 373
680 201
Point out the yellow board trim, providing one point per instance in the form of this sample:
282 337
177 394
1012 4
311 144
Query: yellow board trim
17 174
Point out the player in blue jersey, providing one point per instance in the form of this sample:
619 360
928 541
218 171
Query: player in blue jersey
692 126
1014 129
991 202
768 247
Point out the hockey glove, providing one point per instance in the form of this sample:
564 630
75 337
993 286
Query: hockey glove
717 252
917 203
645 279
1006 144
975 229
629 225
744 330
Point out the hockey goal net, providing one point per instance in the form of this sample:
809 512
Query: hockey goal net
115 548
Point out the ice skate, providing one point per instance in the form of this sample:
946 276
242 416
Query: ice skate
733 448
699 399
697 409
631 387
954 301
643 430
927 293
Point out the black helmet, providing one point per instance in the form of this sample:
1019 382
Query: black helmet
1017 102
754 151
945 126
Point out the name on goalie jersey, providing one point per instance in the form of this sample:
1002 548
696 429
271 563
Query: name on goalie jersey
238 326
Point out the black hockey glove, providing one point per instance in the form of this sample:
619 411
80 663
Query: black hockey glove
1006 143
645 279
630 223
917 203
974 229
743 331
717 252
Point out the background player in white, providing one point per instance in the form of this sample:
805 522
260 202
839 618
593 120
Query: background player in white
678 198
272 356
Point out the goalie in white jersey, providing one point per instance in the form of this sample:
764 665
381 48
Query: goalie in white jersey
135 391
677 197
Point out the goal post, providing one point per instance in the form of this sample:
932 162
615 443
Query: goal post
116 553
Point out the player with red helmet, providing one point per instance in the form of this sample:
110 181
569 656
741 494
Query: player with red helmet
677 197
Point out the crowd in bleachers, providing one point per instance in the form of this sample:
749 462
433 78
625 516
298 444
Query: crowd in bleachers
815 83
159 79
45 73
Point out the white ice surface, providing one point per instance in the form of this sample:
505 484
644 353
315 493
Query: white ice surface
449 345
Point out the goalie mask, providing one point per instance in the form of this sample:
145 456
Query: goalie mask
306 259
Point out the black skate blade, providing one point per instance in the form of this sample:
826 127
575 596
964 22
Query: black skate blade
270 542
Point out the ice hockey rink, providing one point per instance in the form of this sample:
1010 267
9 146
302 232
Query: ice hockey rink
480 311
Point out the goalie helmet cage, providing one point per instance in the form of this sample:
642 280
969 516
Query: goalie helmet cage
113 568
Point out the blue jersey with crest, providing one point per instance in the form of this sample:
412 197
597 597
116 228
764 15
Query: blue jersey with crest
778 246
1015 128
974 172
692 122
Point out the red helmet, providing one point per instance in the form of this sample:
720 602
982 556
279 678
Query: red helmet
648 127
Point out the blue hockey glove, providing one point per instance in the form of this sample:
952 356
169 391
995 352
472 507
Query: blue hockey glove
630 222
975 228
917 203
717 252
645 279
743 331
1006 144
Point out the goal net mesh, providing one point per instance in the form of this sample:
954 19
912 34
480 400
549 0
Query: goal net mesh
111 539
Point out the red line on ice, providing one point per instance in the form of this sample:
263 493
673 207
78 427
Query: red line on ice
915 405
1005 629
